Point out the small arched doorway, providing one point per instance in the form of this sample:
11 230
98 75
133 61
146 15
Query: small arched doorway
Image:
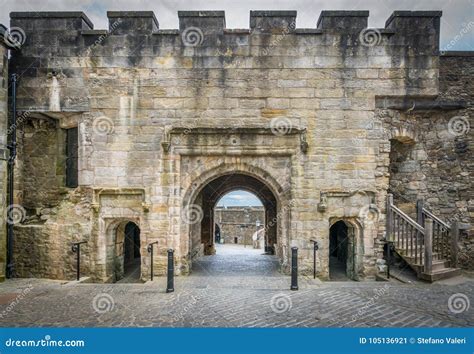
127 261
342 252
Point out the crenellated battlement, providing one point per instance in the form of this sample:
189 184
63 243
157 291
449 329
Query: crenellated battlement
403 56
213 22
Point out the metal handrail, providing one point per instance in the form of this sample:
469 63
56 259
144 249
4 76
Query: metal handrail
76 248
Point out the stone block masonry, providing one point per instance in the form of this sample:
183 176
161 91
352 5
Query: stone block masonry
3 150
170 120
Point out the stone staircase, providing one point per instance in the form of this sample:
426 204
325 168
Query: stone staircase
428 245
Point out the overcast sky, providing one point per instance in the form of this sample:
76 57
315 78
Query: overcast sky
239 198
457 14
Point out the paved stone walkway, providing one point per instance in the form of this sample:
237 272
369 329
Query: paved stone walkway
236 288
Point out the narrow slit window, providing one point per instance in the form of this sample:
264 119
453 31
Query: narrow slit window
71 158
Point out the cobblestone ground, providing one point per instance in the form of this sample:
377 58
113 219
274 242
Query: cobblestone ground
236 288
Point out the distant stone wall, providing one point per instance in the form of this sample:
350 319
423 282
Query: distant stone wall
238 224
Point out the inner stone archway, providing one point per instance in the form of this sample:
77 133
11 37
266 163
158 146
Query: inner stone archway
202 234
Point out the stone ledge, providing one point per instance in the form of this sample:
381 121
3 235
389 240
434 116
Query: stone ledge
345 13
201 14
263 13
308 31
418 103
53 14
218 131
457 53
94 32
412 14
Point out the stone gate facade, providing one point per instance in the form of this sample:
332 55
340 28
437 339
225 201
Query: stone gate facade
150 126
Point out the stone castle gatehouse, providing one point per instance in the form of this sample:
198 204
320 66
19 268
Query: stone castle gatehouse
136 125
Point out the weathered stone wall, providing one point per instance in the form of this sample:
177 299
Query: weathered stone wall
239 223
438 165
3 151
305 98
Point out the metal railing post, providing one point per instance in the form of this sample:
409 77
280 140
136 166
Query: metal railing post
315 248
150 250
170 280
294 268
76 248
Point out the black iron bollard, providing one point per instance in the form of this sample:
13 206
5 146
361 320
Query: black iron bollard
294 268
150 250
76 247
170 282
315 248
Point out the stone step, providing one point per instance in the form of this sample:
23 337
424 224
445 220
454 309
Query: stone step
411 258
440 274
436 265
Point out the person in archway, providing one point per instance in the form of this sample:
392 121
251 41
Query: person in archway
258 237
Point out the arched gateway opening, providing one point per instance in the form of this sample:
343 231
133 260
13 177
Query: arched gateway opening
202 232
